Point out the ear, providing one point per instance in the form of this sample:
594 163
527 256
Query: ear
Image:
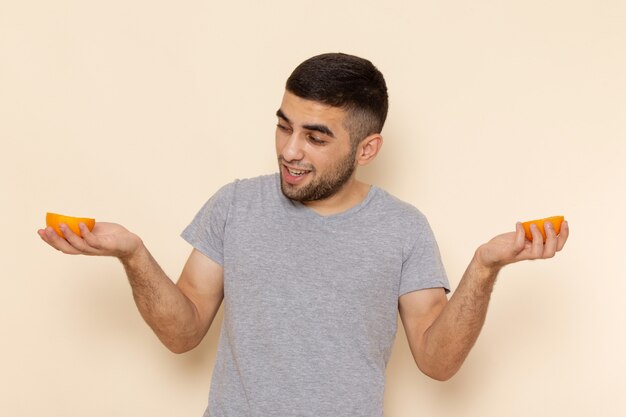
369 148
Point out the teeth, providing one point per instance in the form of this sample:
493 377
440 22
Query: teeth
296 172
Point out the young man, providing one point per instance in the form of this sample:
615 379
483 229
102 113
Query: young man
312 265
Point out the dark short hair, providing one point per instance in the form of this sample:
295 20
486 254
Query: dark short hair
348 82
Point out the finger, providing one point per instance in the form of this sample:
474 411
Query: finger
43 234
550 245
90 238
51 237
563 235
75 240
536 248
520 238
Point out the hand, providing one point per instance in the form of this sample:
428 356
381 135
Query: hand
106 239
513 247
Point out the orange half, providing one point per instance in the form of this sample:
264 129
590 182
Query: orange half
556 224
54 220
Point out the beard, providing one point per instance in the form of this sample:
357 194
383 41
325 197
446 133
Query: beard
323 185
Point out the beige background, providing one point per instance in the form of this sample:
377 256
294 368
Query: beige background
137 111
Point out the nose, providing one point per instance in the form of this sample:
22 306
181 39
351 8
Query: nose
292 148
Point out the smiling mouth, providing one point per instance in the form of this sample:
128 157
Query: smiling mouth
294 176
297 172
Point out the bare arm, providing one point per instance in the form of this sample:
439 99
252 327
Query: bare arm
180 314
441 332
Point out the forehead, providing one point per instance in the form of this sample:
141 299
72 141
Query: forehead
301 111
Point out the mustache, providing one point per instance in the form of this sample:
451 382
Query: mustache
296 164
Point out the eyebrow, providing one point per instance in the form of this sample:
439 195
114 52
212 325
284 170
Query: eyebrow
314 127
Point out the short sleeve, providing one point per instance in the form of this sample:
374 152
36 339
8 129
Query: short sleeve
422 267
206 231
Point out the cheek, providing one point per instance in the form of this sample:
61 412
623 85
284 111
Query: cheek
322 161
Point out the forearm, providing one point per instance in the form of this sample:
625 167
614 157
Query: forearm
441 332
179 314
448 341
164 307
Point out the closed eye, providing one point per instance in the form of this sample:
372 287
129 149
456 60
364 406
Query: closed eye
315 140
283 128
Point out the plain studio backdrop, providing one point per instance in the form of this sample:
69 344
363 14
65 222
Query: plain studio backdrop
137 111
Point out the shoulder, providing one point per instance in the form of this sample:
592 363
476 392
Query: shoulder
248 194
261 189
392 208
238 191
259 186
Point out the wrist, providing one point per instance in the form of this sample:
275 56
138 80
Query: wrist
135 251
483 265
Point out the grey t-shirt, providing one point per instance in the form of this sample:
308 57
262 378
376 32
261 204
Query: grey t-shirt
310 301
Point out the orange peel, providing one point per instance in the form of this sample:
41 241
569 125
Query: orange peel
556 222
54 220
